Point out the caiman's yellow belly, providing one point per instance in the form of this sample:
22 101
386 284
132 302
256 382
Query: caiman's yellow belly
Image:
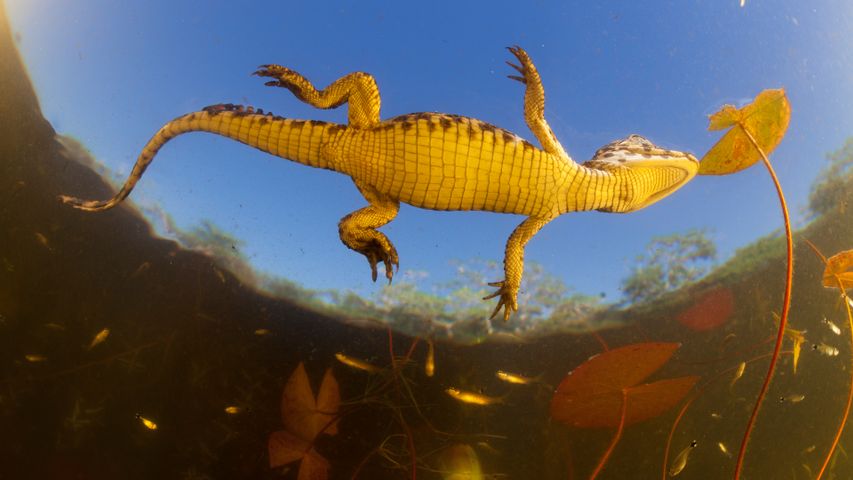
444 162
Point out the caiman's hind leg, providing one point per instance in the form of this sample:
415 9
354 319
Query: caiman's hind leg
534 103
358 230
514 265
358 88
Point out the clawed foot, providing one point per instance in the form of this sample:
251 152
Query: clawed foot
381 250
284 77
526 69
508 299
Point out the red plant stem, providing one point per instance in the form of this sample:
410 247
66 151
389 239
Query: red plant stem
850 389
601 341
616 437
786 304
405 426
687 404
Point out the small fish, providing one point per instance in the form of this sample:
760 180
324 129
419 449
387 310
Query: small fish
99 338
681 460
146 423
831 326
233 410
849 301
357 364
738 373
262 331
35 358
825 349
43 241
809 449
722 447
716 416
471 397
142 268
514 378
54 326
792 398
429 366
742 3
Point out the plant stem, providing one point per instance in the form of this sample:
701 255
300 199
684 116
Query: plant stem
786 304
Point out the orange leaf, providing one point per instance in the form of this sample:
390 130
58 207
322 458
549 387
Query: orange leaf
766 119
298 407
313 467
591 395
328 401
839 267
285 448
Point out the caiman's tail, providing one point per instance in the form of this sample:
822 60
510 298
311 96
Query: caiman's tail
297 140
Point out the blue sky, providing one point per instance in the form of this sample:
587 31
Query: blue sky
111 73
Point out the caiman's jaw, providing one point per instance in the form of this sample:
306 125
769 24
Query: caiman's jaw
650 172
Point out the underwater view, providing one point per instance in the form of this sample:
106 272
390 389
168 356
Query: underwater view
347 240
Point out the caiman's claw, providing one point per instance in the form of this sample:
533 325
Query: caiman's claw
508 299
386 253
525 61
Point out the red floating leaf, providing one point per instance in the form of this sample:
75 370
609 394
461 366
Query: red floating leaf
328 401
285 448
591 395
301 414
710 312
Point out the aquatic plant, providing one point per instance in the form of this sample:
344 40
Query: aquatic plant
839 274
605 391
756 129
304 418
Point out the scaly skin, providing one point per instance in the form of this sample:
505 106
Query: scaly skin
436 161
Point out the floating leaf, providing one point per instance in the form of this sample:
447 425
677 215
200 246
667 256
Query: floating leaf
298 407
591 395
710 311
839 267
301 414
328 401
285 448
766 119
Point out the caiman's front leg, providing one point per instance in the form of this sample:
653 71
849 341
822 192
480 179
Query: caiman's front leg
514 265
358 88
358 230
534 103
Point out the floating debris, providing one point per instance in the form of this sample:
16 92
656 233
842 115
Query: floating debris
146 422
681 460
722 447
35 358
233 410
835 329
262 331
471 397
716 416
825 349
357 364
99 338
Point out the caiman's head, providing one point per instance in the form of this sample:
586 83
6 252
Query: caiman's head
645 172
